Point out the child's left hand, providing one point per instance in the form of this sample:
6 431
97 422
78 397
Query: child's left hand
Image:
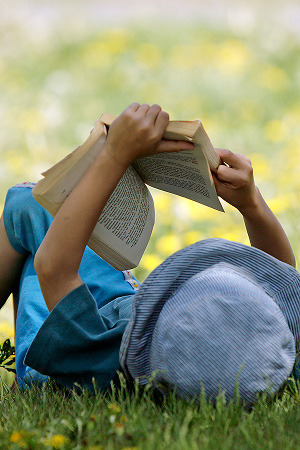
235 182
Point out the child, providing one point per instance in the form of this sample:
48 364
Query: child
72 306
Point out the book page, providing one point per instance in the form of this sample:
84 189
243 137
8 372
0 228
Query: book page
124 228
52 190
183 173
126 222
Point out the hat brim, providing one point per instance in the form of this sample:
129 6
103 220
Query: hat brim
279 280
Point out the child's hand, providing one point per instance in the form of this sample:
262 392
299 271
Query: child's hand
234 181
138 132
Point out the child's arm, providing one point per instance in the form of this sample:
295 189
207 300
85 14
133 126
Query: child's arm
235 184
136 133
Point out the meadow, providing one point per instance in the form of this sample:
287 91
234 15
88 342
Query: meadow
243 87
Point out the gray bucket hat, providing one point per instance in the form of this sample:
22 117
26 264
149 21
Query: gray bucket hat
212 315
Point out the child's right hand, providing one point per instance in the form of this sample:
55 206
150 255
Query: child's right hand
138 132
234 181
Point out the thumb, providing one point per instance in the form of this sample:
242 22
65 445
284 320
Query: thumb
221 186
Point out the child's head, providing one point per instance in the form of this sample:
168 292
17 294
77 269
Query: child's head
212 315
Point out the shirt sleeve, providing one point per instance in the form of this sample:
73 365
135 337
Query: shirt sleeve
78 343
26 222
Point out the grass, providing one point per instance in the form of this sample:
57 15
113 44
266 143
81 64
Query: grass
133 418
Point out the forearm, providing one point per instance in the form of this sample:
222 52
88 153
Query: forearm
58 259
265 231
77 217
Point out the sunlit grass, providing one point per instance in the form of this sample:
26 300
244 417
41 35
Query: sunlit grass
135 418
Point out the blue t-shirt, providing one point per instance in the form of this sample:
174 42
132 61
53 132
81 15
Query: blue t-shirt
80 339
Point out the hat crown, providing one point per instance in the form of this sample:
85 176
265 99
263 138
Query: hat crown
277 280
219 324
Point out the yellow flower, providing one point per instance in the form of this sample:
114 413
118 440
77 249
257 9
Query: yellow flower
261 165
118 40
163 203
150 261
206 53
233 233
292 115
247 110
162 200
232 57
148 55
279 204
190 237
56 441
99 53
184 57
291 153
273 77
168 244
15 162
114 407
32 120
275 130
17 436
7 330
96 54
201 212
119 429
130 448
150 90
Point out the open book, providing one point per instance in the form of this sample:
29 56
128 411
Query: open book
124 228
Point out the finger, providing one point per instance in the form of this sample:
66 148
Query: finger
226 174
153 112
238 178
174 146
218 184
143 109
133 107
236 160
222 189
161 122
232 176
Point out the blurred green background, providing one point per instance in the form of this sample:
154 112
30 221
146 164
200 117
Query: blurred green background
234 65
